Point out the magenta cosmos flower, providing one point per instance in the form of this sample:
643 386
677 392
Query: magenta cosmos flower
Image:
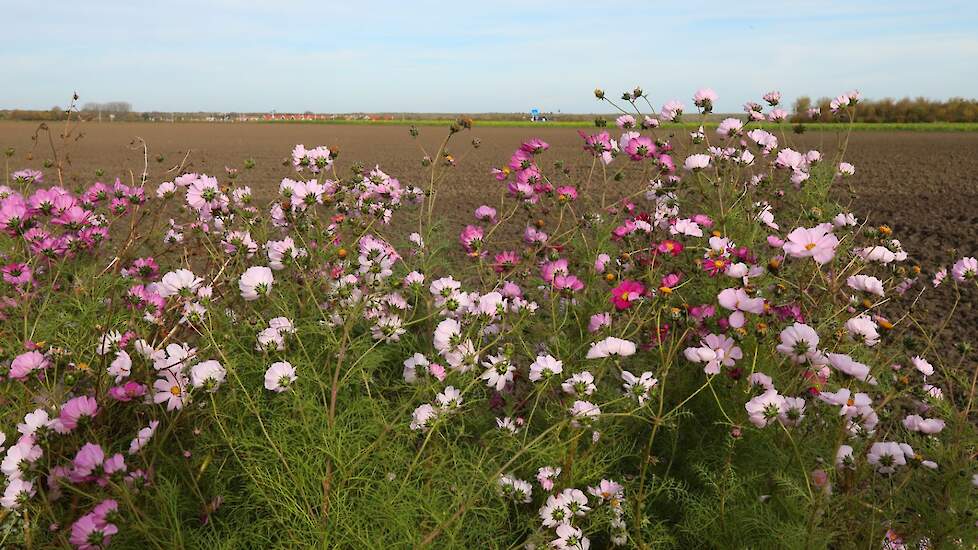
817 242
17 273
625 293
639 148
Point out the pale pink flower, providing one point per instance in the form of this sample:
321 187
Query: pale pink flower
739 302
171 388
611 346
255 282
929 426
765 408
866 283
715 350
964 269
817 242
545 366
696 162
863 329
922 365
799 342
279 376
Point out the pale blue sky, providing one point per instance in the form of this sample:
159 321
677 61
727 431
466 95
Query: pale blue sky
476 56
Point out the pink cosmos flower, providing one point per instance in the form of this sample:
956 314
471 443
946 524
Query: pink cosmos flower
601 262
964 269
887 456
599 321
255 282
471 238
88 460
625 121
15 215
92 532
625 293
127 392
848 365
600 145
568 282
143 437
922 365
26 363
505 261
545 366
566 193
817 242
799 342
533 235
916 423
279 376
17 491
74 411
485 213
703 220
673 248
672 110
546 476
611 346
534 146
866 283
17 274
739 302
669 282
704 99
863 329
716 351
730 127
765 408
686 226
639 148
550 270
696 162
171 389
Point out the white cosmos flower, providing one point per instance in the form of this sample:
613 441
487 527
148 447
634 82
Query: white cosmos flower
279 376
447 331
862 328
866 283
255 282
208 374
611 346
544 367
181 281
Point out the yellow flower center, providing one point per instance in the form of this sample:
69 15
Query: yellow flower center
175 390
809 246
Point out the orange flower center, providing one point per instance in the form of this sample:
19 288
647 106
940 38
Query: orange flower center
809 246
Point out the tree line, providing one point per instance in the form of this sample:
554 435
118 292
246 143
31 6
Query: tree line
921 109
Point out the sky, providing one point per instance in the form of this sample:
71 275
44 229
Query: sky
471 56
